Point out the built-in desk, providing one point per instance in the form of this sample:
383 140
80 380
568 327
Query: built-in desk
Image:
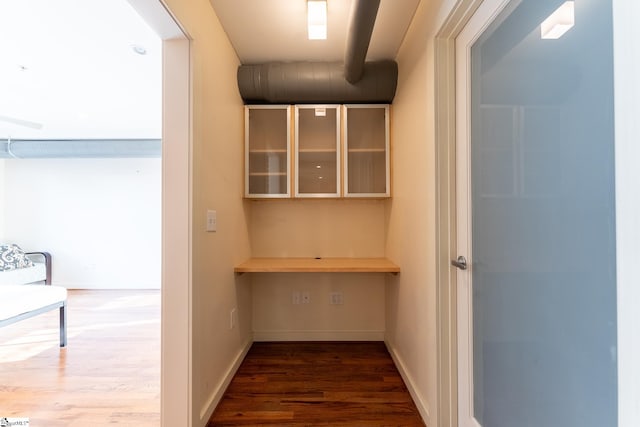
317 265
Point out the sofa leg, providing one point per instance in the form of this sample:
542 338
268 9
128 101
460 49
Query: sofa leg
63 325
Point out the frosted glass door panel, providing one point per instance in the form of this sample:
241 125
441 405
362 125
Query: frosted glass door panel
317 151
367 151
267 151
543 231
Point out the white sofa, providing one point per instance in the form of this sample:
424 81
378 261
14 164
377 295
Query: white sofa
27 291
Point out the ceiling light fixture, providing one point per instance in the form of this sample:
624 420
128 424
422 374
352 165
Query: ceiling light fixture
559 22
317 19
140 50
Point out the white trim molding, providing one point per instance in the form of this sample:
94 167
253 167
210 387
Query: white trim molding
627 156
418 399
218 392
317 335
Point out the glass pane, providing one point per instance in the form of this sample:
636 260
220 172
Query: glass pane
544 285
318 150
366 154
268 151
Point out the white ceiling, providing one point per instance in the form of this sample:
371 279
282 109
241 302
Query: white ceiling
69 65
276 30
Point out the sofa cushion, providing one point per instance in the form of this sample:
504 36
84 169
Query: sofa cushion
22 299
12 258
21 276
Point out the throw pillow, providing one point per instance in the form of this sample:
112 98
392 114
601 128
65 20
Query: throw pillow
12 257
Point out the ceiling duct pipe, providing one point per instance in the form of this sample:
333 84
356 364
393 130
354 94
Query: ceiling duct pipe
361 22
355 81
79 148
316 82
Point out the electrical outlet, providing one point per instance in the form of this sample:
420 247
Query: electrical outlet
306 298
336 298
212 220
295 297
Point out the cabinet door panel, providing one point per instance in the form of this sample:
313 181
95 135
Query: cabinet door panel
317 151
267 151
367 151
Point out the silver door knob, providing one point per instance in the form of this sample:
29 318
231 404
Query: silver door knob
460 263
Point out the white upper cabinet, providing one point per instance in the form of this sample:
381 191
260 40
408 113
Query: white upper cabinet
317 151
267 164
366 151
336 151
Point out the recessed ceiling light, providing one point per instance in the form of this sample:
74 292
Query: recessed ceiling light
317 19
140 50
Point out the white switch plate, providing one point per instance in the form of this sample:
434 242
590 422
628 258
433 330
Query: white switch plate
212 221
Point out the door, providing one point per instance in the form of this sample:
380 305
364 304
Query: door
536 216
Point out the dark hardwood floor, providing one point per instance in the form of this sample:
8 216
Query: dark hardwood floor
317 383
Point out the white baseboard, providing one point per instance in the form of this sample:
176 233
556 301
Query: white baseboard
318 335
418 399
218 392
83 286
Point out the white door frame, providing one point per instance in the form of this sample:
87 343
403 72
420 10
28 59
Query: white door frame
626 61
446 233
176 342
474 28
627 129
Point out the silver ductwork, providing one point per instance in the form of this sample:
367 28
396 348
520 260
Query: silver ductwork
355 81
316 82
79 148
361 22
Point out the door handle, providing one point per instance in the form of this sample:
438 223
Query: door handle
460 263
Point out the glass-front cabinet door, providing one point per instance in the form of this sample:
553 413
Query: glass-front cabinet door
366 151
317 151
267 134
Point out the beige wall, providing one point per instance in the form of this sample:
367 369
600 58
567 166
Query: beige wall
217 179
324 228
411 297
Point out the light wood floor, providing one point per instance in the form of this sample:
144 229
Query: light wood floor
311 384
109 374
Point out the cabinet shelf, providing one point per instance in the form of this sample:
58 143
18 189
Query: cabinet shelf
267 174
367 150
317 265
268 151
317 150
